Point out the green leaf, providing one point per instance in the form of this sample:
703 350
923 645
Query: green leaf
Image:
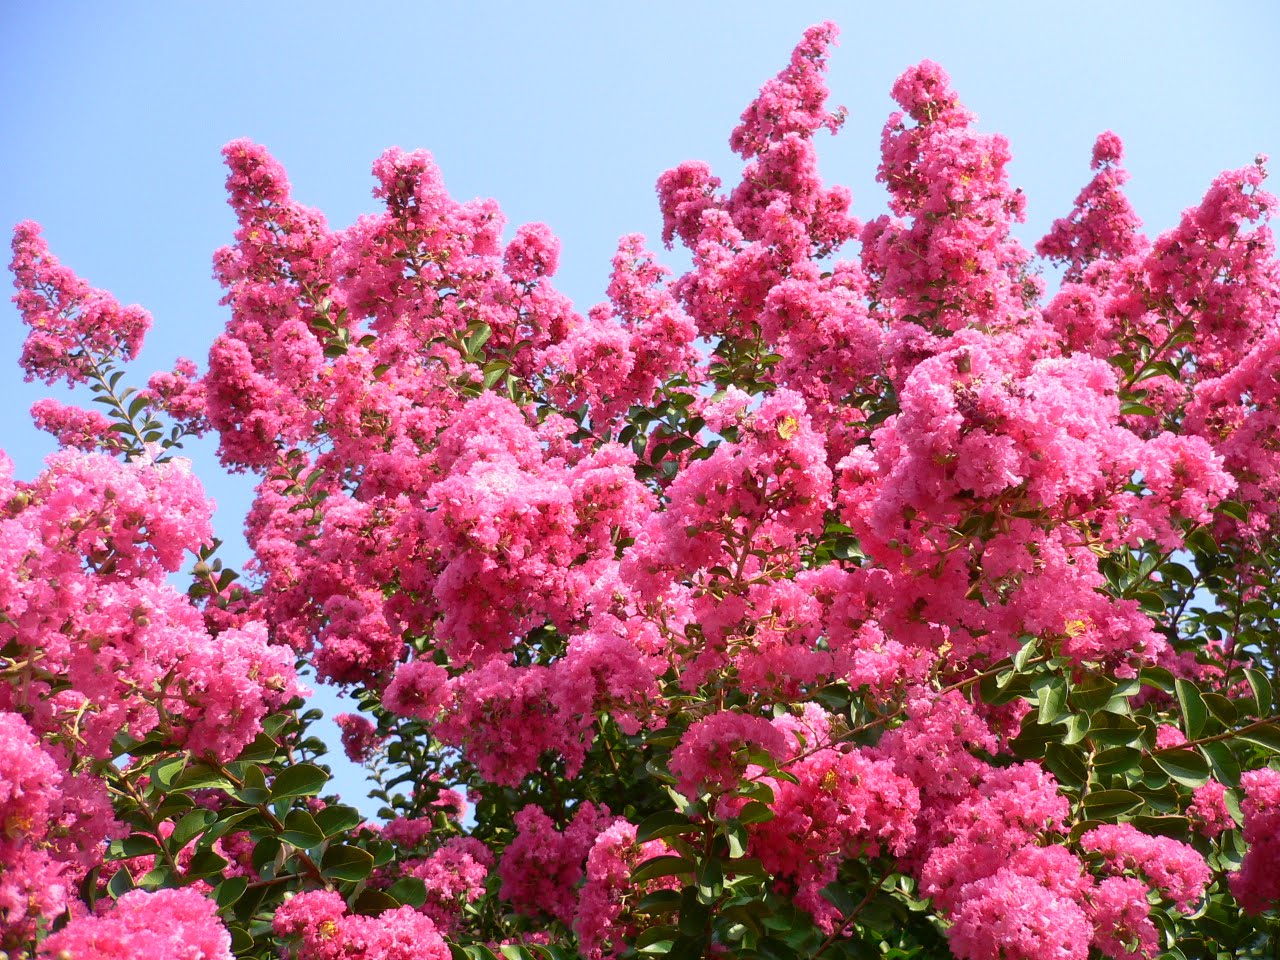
265 853
1034 738
190 826
665 866
1267 737
1158 677
409 890
301 780
1078 726
1222 709
1233 508
1192 705
1169 826
229 891
205 863
372 902
344 862
241 941
656 941
1116 760
1261 689
1184 766
1109 804
1132 408
1066 764
263 747
1222 761
479 337
1092 693
753 811
760 792
337 819
301 830
201 776
1026 652
165 772
494 370
710 881
735 835
1112 730
660 901
140 845
664 823
1053 701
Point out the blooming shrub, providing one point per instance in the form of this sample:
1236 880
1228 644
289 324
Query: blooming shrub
850 593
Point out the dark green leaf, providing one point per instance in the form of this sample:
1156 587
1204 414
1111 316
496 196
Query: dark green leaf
263 747
301 780
1184 766
1267 737
1261 690
205 863
664 823
1192 705
1109 804
1222 761
1116 760
229 891
710 881
265 853
1222 709
337 818
344 862
1053 701
372 902
301 830
755 812
665 866
190 826
656 939
1066 764
140 845
1092 693
410 890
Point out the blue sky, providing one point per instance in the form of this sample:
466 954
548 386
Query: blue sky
114 114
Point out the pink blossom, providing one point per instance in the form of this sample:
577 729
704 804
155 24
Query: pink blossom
73 326
1175 869
1256 883
181 924
359 737
316 926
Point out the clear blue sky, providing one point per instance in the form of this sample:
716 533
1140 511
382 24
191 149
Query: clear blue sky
113 116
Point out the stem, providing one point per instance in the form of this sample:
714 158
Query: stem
269 815
104 388
1226 735
871 724
850 917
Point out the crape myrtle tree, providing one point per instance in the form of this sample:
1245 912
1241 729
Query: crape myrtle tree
851 594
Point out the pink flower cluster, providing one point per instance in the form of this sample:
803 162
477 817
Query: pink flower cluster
830 463
1257 883
181 924
542 866
87 548
73 326
316 926
603 921
53 822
